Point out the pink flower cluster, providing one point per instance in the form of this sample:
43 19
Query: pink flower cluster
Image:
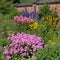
21 19
23 44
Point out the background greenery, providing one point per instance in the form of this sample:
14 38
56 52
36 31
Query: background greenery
7 10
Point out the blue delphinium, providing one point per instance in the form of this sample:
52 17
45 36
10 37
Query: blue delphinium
39 17
32 14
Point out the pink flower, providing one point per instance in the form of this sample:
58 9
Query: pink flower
8 57
24 54
6 51
11 51
21 19
15 51
23 44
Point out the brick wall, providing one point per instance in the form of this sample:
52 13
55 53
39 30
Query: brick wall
57 6
31 8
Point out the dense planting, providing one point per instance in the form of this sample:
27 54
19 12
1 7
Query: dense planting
31 36
24 45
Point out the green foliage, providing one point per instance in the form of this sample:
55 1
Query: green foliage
1 17
7 28
15 1
45 10
26 1
22 27
49 53
2 57
17 57
46 31
5 7
11 14
4 42
7 10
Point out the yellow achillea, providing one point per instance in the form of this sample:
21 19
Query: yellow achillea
34 25
31 26
51 42
49 19
52 20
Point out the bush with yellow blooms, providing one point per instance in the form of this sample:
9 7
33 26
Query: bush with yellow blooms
34 25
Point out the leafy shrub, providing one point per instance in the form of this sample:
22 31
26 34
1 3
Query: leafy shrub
25 1
45 10
50 15
49 53
11 14
7 28
2 57
4 42
46 29
1 16
15 1
7 9
23 45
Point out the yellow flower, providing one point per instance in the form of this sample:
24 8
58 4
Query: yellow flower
31 25
47 18
2 33
51 42
34 25
7 28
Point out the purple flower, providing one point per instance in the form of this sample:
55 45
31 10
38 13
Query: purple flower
24 54
21 19
8 57
6 51
23 44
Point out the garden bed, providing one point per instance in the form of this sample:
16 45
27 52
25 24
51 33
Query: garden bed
27 37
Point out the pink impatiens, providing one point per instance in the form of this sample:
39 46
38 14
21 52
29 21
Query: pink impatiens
21 19
24 45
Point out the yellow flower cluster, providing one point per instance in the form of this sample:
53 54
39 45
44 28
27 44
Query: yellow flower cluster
51 20
51 42
34 25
